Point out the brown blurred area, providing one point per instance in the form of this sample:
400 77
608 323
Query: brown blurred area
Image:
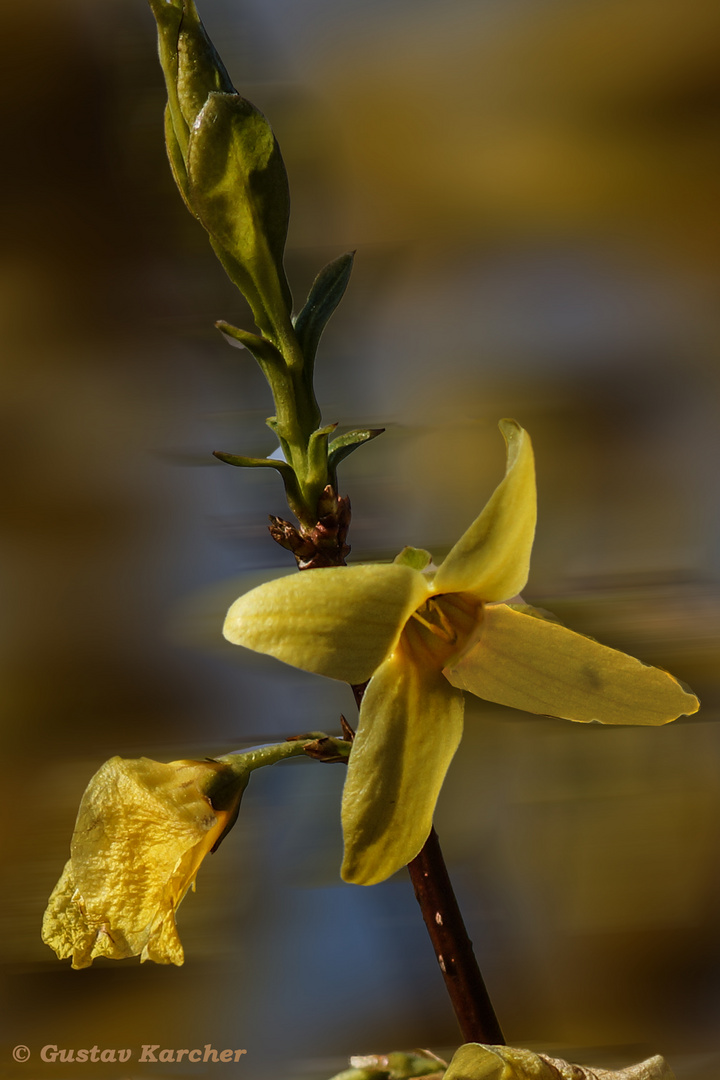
532 189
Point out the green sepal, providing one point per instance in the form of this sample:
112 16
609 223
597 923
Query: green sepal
326 293
237 186
344 445
417 558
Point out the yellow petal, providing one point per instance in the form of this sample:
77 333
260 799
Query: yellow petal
66 930
338 621
543 667
410 727
492 559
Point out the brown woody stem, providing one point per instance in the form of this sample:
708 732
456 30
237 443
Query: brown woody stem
453 947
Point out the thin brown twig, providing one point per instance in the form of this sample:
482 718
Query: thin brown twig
453 947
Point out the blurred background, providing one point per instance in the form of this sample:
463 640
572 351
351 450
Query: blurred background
532 190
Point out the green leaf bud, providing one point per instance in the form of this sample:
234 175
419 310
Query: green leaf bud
226 163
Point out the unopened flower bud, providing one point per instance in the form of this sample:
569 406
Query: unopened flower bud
226 163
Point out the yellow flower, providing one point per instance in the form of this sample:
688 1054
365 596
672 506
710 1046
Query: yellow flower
422 636
142 830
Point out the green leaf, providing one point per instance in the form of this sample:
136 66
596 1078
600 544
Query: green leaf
237 186
344 445
263 350
293 492
326 293
253 462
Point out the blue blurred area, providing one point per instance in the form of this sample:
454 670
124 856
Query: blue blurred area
532 191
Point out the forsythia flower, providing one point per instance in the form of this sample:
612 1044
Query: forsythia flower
142 830
422 636
474 1061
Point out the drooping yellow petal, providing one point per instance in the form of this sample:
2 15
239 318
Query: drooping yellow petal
410 727
337 621
142 831
492 559
542 667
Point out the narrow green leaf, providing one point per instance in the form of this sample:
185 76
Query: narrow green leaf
263 350
326 293
344 445
289 479
253 462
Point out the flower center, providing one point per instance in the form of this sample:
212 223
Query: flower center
434 617
441 630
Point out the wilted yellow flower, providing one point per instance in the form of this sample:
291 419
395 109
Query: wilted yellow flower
142 830
474 1061
421 636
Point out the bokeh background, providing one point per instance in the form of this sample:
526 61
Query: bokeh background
532 188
